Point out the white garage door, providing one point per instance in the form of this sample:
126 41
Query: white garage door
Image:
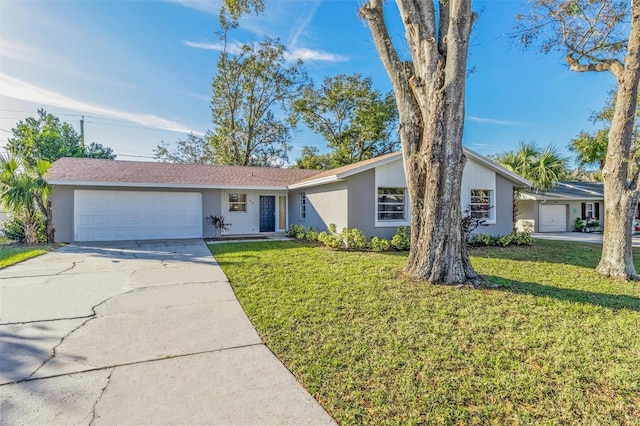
136 215
553 218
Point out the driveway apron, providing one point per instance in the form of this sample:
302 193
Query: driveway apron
136 333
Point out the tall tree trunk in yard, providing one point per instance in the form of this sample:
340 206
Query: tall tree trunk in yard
621 189
429 92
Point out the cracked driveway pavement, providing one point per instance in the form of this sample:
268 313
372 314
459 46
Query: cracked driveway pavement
136 333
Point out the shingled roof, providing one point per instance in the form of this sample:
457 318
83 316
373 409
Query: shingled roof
87 171
568 191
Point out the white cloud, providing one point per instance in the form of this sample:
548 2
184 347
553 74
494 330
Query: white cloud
305 54
304 23
19 52
495 121
313 55
17 89
235 48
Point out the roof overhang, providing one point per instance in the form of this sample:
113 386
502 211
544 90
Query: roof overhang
164 185
341 176
541 197
519 181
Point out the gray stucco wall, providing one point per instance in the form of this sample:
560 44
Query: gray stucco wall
62 203
503 209
326 204
362 206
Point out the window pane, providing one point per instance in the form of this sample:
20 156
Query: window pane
480 203
237 202
391 203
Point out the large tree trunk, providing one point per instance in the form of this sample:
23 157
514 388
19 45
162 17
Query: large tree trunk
621 191
429 93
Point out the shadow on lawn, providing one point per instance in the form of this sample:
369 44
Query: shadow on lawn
585 255
611 301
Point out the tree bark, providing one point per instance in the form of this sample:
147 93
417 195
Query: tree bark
621 191
429 93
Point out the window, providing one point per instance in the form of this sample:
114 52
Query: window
391 204
481 203
590 211
303 205
237 202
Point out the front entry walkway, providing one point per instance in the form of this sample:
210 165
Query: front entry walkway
136 333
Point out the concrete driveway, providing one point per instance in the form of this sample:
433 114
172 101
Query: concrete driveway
136 333
586 237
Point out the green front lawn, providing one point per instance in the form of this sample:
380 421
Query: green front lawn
11 254
557 344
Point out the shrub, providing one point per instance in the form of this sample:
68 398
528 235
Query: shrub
522 238
330 240
218 223
13 229
354 239
294 231
379 244
515 238
311 234
505 240
402 239
481 240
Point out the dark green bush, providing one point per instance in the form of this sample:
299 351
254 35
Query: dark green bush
515 238
294 231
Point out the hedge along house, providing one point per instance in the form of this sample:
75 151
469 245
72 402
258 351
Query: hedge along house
557 209
372 196
107 200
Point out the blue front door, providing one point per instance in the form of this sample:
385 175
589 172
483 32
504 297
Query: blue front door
267 213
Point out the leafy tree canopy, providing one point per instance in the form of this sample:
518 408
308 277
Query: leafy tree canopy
543 167
194 150
313 160
591 147
357 121
252 92
47 138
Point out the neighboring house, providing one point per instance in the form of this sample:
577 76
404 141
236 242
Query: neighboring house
556 210
117 200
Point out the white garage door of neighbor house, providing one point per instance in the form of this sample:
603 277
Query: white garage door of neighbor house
136 215
553 218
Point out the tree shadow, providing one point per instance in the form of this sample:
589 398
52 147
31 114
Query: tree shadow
581 254
605 300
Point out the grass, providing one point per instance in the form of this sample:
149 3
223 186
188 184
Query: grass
12 253
557 344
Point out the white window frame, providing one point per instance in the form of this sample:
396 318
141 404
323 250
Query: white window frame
238 203
491 217
303 205
391 222
590 210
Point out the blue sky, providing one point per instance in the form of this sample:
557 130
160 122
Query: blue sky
140 71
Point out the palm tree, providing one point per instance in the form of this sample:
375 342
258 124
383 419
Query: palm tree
544 168
24 191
